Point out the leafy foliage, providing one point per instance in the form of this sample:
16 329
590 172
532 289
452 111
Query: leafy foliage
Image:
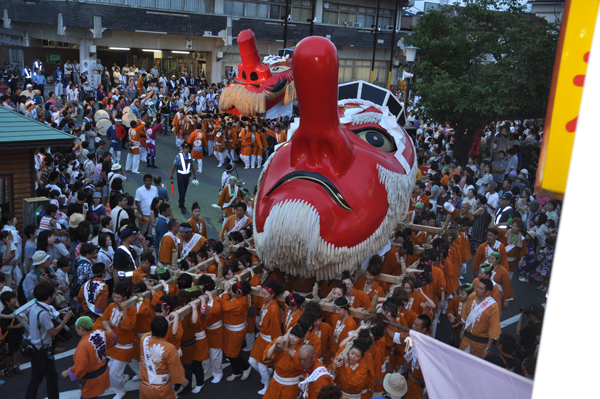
460 85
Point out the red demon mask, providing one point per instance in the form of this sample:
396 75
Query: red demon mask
332 195
259 85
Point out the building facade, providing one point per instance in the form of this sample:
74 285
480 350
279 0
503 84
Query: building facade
199 36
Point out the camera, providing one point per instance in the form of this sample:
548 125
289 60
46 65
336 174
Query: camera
48 351
524 311
28 350
49 275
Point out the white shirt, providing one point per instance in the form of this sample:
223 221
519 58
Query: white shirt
113 215
145 198
493 200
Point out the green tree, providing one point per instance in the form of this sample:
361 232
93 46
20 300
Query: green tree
460 81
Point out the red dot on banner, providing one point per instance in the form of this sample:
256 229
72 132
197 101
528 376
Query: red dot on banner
586 57
578 80
572 125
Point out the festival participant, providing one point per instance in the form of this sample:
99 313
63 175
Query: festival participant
356 298
419 196
190 241
269 326
247 144
145 314
415 381
121 320
344 326
418 302
501 277
322 330
93 295
90 365
485 272
315 374
232 142
133 156
283 352
198 142
220 146
378 355
213 329
368 283
198 224
170 242
514 242
258 147
235 305
306 321
177 124
351 372
293 305
199 314
230 195
485 249
481 321
161 366
146 265
392 259
456 306
184 164
237 221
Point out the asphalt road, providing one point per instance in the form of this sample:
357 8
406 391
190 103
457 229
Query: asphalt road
207 194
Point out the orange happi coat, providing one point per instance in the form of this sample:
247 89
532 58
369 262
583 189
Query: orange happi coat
230 225
90 357
167 245
315 387
145 314
198 226
484 251
285 367
165 362
486 325
214 324
99 296
235 313
198 141
123 325
269 326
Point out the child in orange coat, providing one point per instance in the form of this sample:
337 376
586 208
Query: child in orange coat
235 304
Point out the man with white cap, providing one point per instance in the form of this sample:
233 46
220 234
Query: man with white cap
40 272
28 92
395 385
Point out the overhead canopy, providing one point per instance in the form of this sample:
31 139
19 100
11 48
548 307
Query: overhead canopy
19 131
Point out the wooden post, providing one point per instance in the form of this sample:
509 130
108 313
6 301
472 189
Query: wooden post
174 260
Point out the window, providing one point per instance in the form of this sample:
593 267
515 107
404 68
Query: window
351 70
267 9
363 17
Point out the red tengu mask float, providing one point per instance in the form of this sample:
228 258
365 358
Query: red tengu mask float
259 85
332 196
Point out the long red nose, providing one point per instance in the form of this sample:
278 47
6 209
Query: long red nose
251 69
319 140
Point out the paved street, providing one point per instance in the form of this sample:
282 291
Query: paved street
207 194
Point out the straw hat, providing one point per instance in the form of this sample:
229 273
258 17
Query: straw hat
75 219
395 385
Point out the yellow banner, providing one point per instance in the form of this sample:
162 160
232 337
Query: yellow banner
577 29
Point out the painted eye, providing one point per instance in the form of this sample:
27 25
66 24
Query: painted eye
377 139
280 68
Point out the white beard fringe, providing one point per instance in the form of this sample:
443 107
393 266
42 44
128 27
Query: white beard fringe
291 238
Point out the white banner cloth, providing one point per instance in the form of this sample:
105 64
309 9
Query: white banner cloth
453 374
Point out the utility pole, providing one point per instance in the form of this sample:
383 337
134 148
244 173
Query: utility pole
393 43
285 25
312 18
375 40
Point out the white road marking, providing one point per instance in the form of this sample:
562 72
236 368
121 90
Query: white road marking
129 385
56 357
